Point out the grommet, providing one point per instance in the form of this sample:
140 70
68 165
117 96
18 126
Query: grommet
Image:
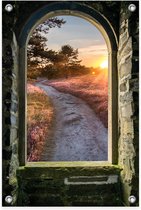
132 199
132 7
8 7
8 199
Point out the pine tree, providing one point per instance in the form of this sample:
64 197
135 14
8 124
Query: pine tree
70 58
38 54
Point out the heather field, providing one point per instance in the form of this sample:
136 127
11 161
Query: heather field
92 88
39 118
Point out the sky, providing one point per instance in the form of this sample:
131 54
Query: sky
81 35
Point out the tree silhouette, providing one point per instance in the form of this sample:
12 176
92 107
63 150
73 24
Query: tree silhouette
69 58
37 51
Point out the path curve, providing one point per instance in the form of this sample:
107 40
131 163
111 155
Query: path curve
78 134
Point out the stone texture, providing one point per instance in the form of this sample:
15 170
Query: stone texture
126 97
41 187
125 68
127 128
13 133
128 71
124 36
9 106
14 106
14 96
123 87
127 111
14 120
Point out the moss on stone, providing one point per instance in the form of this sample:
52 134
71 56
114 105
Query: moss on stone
47 182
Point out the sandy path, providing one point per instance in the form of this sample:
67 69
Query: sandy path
78 134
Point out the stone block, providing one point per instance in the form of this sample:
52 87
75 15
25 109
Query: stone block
127 97
123 38
123 26
15 148
13 119
127 128
125 52
123 87
14 96
127 111
14 107
14 84
125 68
129 150
127 48
13 133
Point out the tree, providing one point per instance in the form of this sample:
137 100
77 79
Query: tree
37 50
69 58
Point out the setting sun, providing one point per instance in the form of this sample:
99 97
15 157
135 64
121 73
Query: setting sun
104 64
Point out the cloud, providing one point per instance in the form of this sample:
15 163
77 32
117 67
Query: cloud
94 50
83 42
78 36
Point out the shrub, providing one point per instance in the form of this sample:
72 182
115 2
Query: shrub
39 118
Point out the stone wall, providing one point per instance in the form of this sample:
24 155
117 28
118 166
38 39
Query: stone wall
128 71
10 107
59 185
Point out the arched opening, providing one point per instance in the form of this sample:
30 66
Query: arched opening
102 24
68 62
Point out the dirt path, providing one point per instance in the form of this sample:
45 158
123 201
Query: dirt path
78 134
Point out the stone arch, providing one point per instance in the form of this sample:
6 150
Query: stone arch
97 19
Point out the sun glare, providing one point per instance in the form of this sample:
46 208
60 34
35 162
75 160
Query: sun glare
104 64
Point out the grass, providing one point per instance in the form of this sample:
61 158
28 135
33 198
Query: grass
39 118
92 88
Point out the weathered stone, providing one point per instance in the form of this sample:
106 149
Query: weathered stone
127 111
14 106
127 97
15 148
125 53
123 25
68 192
13 133
125 68
12 177
128 139
14 84
123 38
127 128
13 119
125 44
14 96
123 87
